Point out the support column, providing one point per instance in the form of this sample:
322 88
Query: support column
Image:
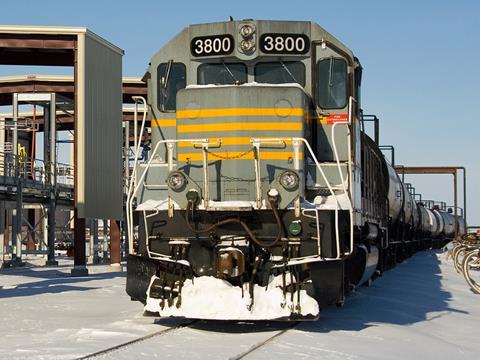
79 268
31 236
465 196
106 234
94 238
90 242
49 144
17 211
18 220
2 232
115 252
2 148
7 235
17 227
455 203
44 243
51 233
15 129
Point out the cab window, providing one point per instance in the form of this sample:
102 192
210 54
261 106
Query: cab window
171 78
331 83
280 72
222 74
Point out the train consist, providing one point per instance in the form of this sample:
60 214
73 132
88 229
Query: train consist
263 197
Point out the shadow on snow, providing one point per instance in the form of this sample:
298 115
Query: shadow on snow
404 295
51 281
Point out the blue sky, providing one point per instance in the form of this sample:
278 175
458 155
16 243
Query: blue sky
420 62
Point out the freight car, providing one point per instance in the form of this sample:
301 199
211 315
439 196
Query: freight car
263 197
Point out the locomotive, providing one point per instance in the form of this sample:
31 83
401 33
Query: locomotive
263 197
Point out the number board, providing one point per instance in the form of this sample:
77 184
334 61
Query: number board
284 43
212 45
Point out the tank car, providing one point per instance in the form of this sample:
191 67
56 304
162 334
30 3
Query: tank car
262 197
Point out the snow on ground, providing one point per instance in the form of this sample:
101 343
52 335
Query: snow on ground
46 314
421 309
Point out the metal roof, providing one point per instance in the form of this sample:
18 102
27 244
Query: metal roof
57 30
62 84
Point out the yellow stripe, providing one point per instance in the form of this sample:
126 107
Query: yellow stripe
230 141
238 126
213 113
163 123
320 119
237 155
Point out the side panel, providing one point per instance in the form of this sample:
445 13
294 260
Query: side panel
99 127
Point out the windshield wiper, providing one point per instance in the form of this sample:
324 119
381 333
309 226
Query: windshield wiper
289 72
330 73
230 72
167 75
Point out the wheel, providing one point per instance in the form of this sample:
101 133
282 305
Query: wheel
471 270
458 257
454 251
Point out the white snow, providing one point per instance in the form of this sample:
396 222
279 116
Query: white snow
210 298
422 309
330 202
151 205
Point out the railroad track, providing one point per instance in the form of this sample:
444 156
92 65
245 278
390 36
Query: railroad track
135 341
264 342
242 355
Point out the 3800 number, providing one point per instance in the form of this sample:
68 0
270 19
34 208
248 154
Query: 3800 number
211 45
284 44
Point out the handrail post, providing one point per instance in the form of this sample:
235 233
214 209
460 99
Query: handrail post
300 172
205 174
258 187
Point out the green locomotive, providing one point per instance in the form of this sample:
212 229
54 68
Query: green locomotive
262 197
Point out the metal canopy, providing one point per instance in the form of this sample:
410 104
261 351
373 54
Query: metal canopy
43 45
97 96
448 170
60 84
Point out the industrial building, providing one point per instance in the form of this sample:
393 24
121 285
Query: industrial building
45 202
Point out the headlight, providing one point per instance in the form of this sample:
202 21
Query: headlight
289 180
247 31
247 45
176 180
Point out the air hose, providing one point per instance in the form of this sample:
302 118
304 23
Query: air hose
190 208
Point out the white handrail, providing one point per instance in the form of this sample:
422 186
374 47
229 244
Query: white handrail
314 158
134 188
139 183
345 191
134 173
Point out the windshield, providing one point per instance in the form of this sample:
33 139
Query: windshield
171 78
332 83
280 72
222 74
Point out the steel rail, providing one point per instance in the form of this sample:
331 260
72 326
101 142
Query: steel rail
264 342
134 341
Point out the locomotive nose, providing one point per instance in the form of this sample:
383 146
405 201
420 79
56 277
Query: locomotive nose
234 120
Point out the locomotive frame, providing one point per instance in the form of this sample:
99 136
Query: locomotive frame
263 187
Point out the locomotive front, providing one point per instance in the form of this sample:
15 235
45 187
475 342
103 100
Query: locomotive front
229 205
